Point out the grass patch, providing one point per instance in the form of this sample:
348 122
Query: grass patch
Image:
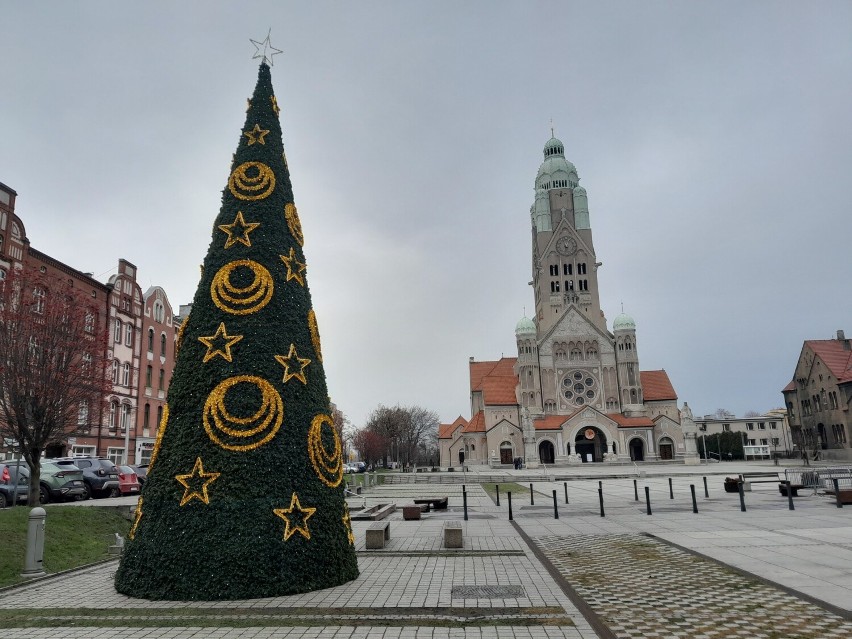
509 487
73 536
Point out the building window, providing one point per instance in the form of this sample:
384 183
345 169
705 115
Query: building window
113 415
83 413
163 345
761 425
150 340
158 312
38 300
147 416
764 442
750 426
87 363
554 269
567 269
148 374
125 374
115 368
772 426
161 379
726 428
581 268
89 326
129 334
115 455
554 287
159 416
125 416
117 334
752 442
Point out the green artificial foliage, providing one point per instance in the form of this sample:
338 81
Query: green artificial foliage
228 526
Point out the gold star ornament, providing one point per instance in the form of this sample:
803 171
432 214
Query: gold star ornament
295 518
219 344
291 362
195 484
256 135
295 268
238 231
347 523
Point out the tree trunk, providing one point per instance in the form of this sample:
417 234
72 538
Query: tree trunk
33 461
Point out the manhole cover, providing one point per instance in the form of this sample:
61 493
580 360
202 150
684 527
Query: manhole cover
487 592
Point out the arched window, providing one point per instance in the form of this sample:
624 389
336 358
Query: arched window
113 414
149 371
150 340
159 416
115 369
129 334
163 344
117 333
125 374
158 312
83 413
147 415
38 300
125 416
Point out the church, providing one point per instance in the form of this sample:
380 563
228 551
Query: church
574 393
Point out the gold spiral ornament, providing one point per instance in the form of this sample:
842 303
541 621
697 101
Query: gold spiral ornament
293 223
246 299
327 465
251 181
315 338
243 433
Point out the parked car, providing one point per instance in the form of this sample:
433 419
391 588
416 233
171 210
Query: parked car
61 483
128 482
100 476
360 467
141 473
14 474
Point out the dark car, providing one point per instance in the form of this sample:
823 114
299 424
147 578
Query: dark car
14 474
60 483
100 476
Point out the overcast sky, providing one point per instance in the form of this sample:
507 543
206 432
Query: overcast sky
714 140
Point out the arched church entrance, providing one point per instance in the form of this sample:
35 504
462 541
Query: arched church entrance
506 455
545 452
666 448
637 449
590 444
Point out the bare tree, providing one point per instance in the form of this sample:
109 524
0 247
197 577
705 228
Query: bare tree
723 413
370 445
52 364
751 413
408 432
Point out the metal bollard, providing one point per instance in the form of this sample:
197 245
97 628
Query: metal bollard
742 497
694 503
648 499
497 488
635 491
555 507
789 496
706 493
464 503
600 499
34 562
837 494
565 483
532 497
509 493
671 490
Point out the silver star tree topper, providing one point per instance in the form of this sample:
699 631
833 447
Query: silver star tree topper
264 49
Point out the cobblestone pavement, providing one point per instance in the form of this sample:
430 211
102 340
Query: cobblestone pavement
642 587
494 587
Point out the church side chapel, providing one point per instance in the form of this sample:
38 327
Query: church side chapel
574 394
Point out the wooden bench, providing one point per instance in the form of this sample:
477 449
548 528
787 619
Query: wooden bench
377 534
437 503
845 496
794 489
453 535
412 511
757 478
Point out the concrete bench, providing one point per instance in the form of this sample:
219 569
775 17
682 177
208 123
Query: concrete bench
377 534
453 535
437 503
412 511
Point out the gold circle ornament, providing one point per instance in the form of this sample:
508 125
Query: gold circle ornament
251 181
243 433
293 223
590 433
242 300
315 338
327 465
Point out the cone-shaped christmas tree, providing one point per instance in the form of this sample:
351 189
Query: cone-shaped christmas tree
244 496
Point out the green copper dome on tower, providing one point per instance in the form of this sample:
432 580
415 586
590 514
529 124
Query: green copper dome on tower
525 327
556 172
623 322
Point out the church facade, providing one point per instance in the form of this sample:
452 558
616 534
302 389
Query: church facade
574 393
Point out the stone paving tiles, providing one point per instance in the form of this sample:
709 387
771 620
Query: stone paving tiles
644 588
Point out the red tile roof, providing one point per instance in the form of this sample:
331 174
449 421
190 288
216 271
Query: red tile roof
550 422
496 380
835 356
476 424
656 386
789 387
630 422
445 431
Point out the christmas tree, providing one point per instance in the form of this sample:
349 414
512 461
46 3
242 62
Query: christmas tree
244 496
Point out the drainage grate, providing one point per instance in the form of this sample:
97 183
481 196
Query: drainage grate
487 592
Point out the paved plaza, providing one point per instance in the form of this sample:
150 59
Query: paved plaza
767 572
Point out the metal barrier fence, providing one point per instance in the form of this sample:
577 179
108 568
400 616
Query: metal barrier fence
820 478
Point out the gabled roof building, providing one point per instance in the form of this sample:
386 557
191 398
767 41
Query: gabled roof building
574 393
819 396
